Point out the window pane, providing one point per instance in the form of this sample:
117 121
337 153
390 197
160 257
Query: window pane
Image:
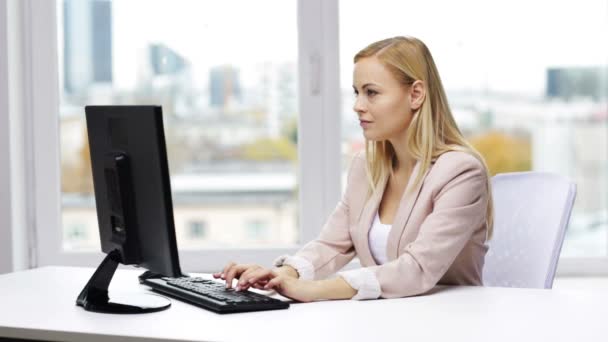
528 88
197 230
229 98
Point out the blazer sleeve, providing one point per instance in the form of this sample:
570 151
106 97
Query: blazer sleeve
459 209
333 248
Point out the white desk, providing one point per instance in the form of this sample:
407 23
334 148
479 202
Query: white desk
40 304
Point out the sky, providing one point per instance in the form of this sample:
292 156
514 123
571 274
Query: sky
242 33
505 46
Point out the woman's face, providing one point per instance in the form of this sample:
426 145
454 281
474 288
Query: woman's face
382 103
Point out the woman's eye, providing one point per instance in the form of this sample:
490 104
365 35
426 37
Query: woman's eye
371 92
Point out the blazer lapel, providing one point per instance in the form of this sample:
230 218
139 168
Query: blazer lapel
406 205
365 221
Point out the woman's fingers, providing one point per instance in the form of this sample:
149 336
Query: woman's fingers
252 275
233 272
246 275
274 282
263 274
258 286
226 268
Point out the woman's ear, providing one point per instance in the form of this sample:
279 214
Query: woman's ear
417 94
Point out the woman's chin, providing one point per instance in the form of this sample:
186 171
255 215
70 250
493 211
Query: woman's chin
372 137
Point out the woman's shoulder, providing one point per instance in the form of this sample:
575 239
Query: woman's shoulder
359 157
455 164
358 164
357 172
451 162
457 161
445 167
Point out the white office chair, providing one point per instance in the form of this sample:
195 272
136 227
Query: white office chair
532 211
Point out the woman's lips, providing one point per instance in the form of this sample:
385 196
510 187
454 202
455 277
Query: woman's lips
365 123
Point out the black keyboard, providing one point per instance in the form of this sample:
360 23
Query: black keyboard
213 295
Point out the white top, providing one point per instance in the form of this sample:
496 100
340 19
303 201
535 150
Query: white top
378 239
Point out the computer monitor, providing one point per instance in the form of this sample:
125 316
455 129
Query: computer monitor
133 201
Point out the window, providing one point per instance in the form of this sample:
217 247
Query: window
229 97
75 234
237 106
257 230
537 90
529 96
197 230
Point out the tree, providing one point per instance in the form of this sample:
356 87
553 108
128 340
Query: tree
270 149
77 177
503 152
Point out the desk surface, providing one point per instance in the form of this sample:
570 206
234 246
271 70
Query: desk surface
40 304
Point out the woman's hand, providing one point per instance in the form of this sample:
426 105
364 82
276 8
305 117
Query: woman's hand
252 275
297 289
248 275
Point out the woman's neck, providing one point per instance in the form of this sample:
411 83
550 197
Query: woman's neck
403 162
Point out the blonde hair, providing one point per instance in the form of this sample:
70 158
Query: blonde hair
433 130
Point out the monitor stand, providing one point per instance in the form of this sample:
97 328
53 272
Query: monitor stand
94 296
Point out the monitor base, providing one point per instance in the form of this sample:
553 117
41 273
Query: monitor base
94 296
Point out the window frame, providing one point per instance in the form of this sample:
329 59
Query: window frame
6 252
318 145
319 185
16 221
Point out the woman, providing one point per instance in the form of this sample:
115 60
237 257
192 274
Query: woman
417 209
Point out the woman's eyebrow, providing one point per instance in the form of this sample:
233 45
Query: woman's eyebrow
364 86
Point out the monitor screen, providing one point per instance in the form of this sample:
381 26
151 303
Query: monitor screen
132 186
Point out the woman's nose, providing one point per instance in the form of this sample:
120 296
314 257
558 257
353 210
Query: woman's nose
358 107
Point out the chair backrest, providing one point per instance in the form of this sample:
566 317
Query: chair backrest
531 213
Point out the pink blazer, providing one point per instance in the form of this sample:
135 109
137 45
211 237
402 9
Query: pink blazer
438 233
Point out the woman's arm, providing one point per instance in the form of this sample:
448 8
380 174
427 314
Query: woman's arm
311 290
335 288
333 248
288 271
323 256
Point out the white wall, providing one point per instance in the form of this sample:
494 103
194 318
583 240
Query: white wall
6 252
14 251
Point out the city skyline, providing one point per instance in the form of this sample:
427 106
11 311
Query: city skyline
467 57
